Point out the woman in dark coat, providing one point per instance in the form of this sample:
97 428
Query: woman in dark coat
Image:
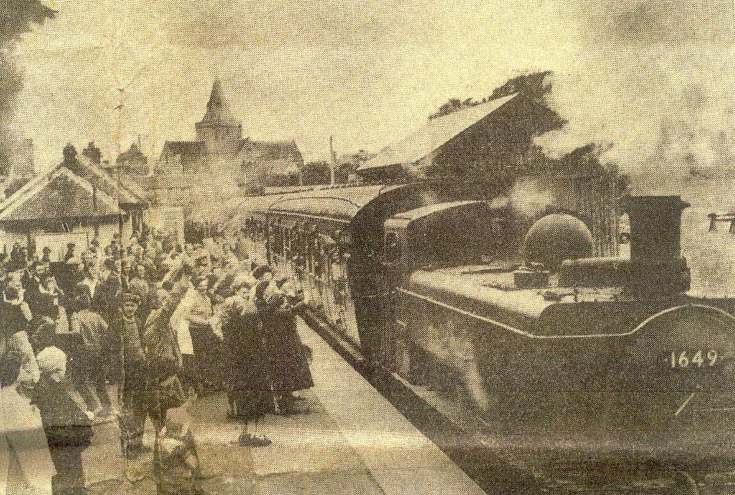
249 391
249 385
287 359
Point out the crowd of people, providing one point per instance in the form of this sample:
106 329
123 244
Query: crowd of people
136 332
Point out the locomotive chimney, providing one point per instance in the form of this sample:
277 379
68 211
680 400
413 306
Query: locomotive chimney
657 266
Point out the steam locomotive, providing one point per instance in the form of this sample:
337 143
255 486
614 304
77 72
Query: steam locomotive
515 320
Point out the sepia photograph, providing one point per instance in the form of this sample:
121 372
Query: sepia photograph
376 247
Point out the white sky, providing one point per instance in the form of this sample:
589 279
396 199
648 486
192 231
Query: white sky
366 71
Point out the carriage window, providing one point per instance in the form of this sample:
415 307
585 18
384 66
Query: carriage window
392 248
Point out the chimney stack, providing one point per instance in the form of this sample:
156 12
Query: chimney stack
657 267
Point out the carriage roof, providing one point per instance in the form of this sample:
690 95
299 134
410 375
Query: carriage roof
335 203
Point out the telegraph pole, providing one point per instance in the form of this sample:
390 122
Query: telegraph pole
332 160
121 220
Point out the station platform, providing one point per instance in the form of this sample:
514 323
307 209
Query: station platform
348 440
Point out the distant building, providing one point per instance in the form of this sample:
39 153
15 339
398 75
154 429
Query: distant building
497 133
221 149
191 176
133 162
347 165
492 145
74 201
93 153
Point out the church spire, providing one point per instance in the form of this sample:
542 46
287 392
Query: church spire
218 129
218 110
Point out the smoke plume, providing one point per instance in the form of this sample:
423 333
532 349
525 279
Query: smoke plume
652 85
16 18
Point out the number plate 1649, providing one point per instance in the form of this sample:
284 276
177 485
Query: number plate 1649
693 359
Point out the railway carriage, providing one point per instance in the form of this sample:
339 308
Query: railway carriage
513 317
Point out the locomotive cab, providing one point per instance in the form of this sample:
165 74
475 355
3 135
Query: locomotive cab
446 234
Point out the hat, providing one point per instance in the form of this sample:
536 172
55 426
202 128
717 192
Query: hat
109 264
51 359
261 270
289 290
130 297
260 289
268 294
243 279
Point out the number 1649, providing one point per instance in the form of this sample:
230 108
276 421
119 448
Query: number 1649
690 359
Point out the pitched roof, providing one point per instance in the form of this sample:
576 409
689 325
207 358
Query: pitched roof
218 110
133 153
188 148
83 174
273 157
270 150
434 134
58 194
100 179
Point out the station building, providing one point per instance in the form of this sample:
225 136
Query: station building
493 143
73 202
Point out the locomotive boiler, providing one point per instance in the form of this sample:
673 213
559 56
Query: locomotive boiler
521 327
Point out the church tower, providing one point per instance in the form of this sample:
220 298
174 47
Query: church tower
219 129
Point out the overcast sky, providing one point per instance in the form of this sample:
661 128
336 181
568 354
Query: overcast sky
365 71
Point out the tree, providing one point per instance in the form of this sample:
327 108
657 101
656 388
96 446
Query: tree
534 85
314 173
16 17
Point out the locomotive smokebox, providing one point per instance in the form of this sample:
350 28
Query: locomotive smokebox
657 266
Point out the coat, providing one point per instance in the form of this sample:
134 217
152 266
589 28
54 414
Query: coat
288 364
106 299
159 338
247 366
63 414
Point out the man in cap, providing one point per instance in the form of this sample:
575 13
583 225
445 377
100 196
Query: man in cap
262 272
105 297
128 329
46 258
70 252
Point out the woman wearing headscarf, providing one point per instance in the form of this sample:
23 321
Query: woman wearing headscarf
249 388
25 460
287 357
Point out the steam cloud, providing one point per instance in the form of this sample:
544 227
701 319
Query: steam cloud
16 17
653 86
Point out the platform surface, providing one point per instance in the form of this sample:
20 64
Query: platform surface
351 441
